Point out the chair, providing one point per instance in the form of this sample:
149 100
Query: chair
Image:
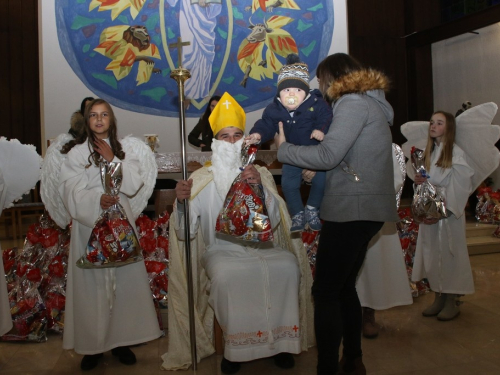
30 207
8 220
164 201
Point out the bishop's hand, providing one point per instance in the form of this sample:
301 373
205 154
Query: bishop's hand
183 190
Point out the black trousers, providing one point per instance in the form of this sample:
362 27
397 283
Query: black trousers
337 311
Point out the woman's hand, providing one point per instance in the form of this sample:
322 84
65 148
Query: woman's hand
280 137
183 189
419 179
107 201
308 175
251 175
103 149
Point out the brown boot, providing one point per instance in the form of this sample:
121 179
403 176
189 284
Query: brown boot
370 327
450 310
354 367
437 305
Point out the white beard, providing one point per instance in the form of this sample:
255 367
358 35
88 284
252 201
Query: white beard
226 163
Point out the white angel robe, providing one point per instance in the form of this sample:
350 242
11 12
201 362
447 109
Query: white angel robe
253 289
105 308
383 281
441 254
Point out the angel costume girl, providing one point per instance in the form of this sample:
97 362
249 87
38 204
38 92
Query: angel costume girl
103 306
441 254
14 157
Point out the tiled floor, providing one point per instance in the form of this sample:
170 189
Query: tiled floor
407 344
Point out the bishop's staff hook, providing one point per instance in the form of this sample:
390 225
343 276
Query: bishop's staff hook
181 75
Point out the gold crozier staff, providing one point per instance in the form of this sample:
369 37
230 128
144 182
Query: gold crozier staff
181 75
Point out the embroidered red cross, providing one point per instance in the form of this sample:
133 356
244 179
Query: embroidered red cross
259 333
295 328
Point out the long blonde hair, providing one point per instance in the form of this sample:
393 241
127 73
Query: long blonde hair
448 140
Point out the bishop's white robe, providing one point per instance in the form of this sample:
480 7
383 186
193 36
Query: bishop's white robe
441 254
260 293
111 307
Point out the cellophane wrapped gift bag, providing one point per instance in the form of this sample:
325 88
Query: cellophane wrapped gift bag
244 213
428 205
113 242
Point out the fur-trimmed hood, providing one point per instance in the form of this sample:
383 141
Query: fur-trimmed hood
369 82
358 82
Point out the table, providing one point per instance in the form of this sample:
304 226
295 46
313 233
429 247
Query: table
170 162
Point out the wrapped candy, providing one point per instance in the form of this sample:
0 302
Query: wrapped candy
484 206
244 213
408 233
310 239
428 205
153 236
36 278
113 242
28 312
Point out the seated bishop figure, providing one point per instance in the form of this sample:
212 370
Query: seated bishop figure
259 292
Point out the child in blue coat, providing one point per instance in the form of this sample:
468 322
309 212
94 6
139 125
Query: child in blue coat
306 117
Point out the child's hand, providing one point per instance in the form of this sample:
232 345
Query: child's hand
103 149
318 135
419 179
252 139
107 201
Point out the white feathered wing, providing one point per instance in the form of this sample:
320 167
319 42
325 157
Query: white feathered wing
475 135
49 185
19 170
149 172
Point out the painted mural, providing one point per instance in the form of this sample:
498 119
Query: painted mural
124 50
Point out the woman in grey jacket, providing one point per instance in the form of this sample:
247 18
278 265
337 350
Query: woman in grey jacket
359 198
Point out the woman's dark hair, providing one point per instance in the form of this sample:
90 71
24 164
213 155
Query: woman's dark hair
84 101
206 128
88 134
208 111
334 67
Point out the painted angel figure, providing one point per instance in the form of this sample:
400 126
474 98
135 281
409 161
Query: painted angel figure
126 45
117 6
197 21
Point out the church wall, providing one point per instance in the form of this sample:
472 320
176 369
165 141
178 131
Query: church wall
61 91
465 68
